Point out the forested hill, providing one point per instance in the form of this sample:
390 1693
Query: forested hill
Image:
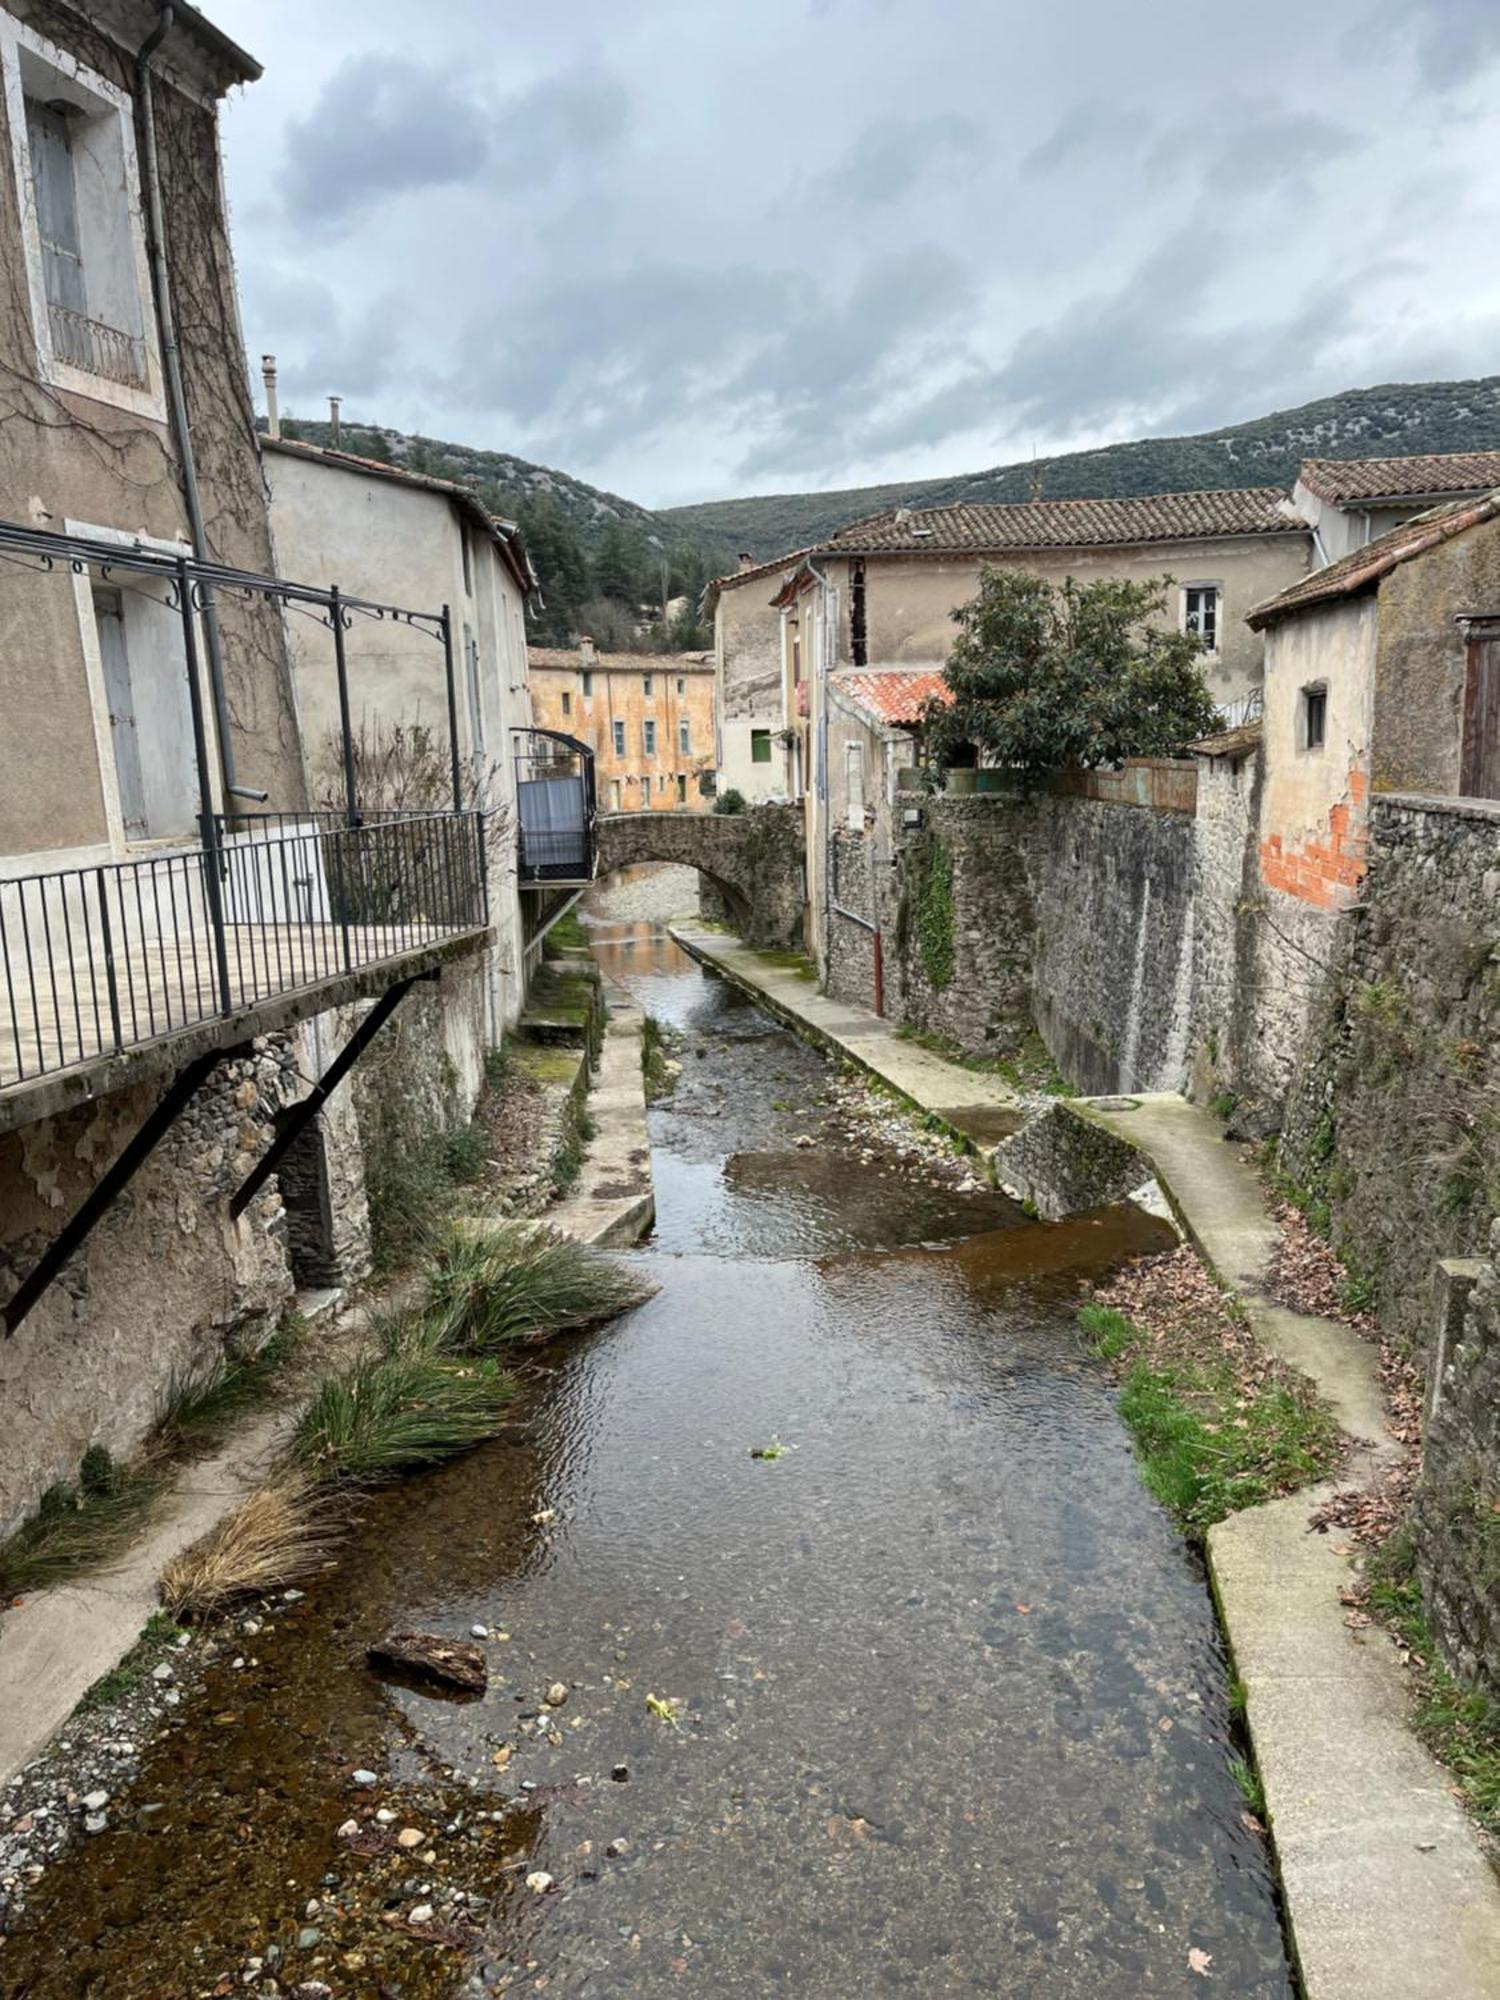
1395 420
607 566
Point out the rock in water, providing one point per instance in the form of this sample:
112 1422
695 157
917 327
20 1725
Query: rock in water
455 1663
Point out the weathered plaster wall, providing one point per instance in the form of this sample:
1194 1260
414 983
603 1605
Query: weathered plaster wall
1419 660
747 660
1313 815
160 1286
682 692
66 456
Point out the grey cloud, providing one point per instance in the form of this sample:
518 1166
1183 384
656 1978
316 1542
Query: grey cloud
1249 148
1453 41
380 126
892 157
1087 131
539 133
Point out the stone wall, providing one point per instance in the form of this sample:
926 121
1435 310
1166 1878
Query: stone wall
1457 1513
1068 913
754 862
1393 1127
861 890
167 1281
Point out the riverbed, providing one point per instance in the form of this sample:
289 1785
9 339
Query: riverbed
926 1698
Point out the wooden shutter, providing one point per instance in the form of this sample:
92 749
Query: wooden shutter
56 206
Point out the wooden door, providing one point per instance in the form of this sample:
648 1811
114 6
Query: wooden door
1479 769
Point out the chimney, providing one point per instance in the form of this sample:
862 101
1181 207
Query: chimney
746 561
901 516
333 420
273 408
586 651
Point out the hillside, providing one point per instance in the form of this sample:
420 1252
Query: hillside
1396 419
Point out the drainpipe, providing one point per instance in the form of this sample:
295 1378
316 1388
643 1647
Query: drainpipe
156 244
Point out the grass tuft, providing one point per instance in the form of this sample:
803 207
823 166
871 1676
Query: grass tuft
157 1639
516 1281
1252 1791
200 1406
281 1535
397 1411
76 1528
1109 1332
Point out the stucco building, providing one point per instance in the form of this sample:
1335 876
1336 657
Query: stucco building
380 531
648 717
1348 502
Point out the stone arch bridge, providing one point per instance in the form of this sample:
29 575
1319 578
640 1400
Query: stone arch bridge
755 860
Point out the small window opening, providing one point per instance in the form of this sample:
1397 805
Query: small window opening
1200 614
1314 717
760 746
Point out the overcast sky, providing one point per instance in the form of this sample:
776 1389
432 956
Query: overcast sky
693 248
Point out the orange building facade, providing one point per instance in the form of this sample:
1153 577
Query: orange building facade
648 718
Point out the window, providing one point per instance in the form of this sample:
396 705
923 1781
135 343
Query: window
1200 614
614 793
684 738
463 543
1313 720
567 703
73 158
681 685
588 685
145 687
648 685
617 729
760 746
681 789
648 737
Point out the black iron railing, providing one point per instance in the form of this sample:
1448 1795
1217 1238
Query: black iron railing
99 960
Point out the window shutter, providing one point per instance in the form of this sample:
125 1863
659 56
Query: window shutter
56 206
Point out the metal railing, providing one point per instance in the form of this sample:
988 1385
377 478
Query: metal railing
103 959
96 348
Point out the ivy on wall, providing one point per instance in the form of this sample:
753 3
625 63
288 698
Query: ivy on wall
932 913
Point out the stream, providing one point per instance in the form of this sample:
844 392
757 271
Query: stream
940 1702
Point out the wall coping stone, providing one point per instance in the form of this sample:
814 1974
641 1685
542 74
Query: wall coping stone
1487 810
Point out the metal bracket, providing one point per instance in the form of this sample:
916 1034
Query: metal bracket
301 1114
111 1185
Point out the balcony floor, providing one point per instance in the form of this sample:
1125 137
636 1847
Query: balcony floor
56 1050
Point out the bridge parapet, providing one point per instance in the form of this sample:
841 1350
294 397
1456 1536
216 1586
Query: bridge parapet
755 859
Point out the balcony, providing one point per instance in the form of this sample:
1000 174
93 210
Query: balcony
293 909
97 349
136 967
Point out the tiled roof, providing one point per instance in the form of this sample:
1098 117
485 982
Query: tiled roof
1356 571
738 576
570 659
1427 476
894 694
1065 524
1233 743
505 533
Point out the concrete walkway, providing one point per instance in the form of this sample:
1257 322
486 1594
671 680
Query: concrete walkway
56 1644
613 1203
983 1108
1389 1893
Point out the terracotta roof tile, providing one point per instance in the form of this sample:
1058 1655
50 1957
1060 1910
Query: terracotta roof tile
1362 567
570 658
1426 475
894 694
1063 524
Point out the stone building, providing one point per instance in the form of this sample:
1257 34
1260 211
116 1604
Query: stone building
185 943
649 719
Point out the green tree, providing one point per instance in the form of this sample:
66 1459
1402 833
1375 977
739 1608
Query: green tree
562 569
617 566
1047 679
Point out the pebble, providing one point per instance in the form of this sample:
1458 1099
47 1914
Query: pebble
95 1823
616 1848
557 1694
479 1631
348 1830
308 1937
386 1816
620 1773
365 1778
539 1882
291 1596
422 1913
95 1801
164 1671
410 1836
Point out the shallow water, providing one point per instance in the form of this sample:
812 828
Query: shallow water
953 1709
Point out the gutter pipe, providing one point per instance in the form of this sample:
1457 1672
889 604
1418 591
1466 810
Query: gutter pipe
156 243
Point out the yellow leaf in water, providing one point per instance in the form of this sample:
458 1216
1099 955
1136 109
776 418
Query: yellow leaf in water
502 1757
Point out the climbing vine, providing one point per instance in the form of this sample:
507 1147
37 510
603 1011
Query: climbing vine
932 913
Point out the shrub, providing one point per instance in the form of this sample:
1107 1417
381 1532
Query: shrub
730 802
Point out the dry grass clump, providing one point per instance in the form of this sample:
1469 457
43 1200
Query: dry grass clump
282 1535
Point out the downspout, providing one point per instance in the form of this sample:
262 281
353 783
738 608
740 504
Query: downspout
161 289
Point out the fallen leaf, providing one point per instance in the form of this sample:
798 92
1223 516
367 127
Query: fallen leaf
1024 1609
1199 1961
